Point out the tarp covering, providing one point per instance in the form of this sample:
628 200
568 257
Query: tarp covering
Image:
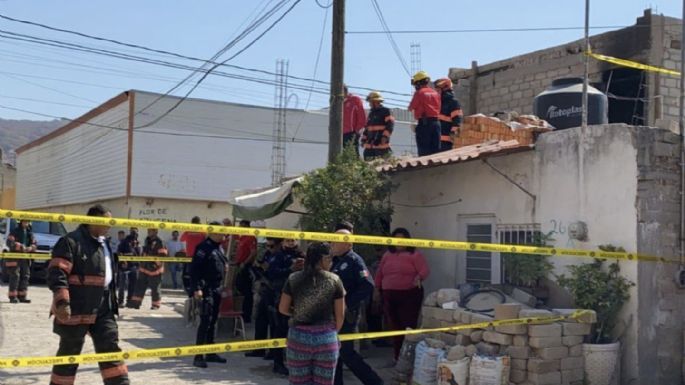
264 204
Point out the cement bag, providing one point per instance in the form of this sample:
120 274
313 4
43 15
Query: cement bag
431 299
405 361
486 370
426 364
453 372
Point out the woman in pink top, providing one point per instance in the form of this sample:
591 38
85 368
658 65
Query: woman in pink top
398 283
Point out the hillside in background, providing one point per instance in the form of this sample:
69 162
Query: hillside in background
16 133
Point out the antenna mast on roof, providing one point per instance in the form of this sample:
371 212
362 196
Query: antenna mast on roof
279 128
415 55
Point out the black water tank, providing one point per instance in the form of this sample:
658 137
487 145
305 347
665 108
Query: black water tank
561 104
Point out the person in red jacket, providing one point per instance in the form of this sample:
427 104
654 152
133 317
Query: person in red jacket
399 286
354 119
426 107
450 114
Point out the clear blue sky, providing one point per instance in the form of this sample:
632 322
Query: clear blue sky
79 82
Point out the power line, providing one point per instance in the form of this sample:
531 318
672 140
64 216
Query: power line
482 30
212 87
330 4
218 54
43 101
259 37
186 57
149 61
50 89
267 138
393 44
316 65
81 48
180 134
426 206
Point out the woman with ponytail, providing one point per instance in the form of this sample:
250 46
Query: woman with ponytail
314 298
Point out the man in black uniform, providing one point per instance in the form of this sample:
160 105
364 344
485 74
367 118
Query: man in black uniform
128 271
21 240
81 275
356 279
261 327
379 127
450 114
207 270
283 261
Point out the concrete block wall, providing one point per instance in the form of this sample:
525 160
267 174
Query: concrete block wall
669 85
661 310
549 354
513 83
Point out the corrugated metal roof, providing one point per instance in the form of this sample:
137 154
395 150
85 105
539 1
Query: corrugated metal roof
455 156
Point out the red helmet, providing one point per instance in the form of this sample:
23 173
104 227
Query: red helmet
443 84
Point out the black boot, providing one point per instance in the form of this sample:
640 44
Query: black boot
255 353
199 361
14 300
280 369
215 358
24 300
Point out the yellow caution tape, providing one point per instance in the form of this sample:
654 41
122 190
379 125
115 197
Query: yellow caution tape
123 258
632 64
180 351
331 237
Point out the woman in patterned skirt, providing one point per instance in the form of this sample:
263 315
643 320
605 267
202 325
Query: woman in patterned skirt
314 298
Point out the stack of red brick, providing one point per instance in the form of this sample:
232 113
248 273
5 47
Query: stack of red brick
479 128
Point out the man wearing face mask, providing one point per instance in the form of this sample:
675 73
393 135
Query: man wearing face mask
81 277
356 279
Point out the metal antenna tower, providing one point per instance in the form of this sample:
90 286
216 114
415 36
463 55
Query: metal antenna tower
278 162
415 54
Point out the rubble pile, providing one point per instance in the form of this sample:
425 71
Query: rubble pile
479 128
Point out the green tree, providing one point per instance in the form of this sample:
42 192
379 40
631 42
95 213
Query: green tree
527 269
347 189
603 290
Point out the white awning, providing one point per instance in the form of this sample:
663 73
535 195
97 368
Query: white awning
262 203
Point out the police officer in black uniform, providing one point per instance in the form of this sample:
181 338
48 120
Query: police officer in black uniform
207 271
261 324
356 279
277 268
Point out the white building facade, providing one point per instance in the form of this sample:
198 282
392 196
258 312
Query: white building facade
173 168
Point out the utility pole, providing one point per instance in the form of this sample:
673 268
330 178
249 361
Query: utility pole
335 113
682 145
586 76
